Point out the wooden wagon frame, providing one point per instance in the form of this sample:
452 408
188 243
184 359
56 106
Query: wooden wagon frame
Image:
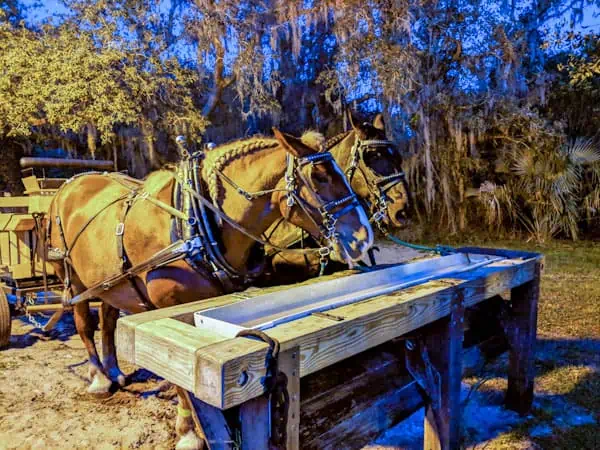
352 372
23 274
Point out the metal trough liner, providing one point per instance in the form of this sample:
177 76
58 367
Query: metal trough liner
269 310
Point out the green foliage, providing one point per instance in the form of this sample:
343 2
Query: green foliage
76 78
551 191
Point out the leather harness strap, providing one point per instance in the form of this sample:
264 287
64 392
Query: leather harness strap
125 262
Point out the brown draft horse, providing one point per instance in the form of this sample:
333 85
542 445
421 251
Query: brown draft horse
374 168
256 164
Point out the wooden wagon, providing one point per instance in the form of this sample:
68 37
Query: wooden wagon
27 285
353 370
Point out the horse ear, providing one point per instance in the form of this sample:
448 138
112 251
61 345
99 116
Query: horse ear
355 124
378 122
293 144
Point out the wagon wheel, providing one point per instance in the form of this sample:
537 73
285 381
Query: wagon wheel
5 322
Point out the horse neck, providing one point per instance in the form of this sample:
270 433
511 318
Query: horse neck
257 171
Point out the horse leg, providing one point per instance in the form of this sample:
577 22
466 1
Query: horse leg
100 383
184 426
109 315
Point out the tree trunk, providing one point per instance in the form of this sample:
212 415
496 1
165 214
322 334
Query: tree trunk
91 139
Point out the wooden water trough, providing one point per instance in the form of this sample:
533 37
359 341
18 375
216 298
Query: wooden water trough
353 369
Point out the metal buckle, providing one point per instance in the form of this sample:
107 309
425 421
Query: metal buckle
324 251
378 216
290 201
120 229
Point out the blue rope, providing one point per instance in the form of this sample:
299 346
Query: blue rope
363 267
322 268
441 249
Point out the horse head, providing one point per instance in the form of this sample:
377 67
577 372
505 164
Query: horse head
319 199
375 173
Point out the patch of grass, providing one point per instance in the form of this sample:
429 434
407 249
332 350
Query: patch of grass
585 437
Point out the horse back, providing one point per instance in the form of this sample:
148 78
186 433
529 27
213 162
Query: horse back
89 210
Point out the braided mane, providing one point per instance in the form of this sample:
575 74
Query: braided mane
336 139
218 158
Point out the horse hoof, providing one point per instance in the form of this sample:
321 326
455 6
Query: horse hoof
121 380
100 386
190 441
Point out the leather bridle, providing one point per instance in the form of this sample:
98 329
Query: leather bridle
329 212
378 185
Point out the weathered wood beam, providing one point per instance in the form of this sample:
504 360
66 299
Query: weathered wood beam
348 404
521 333
126 326
443 341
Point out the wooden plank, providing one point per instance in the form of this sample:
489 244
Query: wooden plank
366 324
5 248
381 413
17 222
521 333
14 202
39 203
289 364
178 343
14 247
254 423
443 340
24 247
21 271
31 184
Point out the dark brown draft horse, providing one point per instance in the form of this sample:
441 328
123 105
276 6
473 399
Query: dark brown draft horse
101 223
374 168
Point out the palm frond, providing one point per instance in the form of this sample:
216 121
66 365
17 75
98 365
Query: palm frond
582 151
523 162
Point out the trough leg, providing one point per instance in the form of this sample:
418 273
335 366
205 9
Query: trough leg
443 341
521 334
254 423
211 424
254 414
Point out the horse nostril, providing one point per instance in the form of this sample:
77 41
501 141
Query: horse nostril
400 217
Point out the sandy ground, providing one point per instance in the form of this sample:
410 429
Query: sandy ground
43 403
